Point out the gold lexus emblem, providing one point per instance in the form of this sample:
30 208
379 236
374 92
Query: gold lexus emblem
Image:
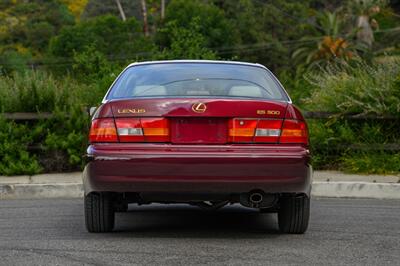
131 111
199 107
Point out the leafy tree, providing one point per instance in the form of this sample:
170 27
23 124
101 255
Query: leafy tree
44 31
76 6
186 43
214 25
116 39
268 30
264 31
26 28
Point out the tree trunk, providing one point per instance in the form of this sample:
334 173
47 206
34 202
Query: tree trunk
144 13
121 10
365 33
162 9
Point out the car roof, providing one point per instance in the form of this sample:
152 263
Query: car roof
197 61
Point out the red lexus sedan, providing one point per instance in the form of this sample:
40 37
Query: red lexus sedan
206 133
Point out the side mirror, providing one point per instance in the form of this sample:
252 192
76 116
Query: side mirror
92 110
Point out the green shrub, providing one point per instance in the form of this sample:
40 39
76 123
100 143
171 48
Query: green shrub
371 163
360 89
37 91
67 133
62 139
51 145
355 145
345 145
14 156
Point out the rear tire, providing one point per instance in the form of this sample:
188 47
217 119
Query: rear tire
99 212
294 214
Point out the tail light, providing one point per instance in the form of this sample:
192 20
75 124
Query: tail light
130 130
294 131
143 129
103 130
242 130
155 129
267 131
254 130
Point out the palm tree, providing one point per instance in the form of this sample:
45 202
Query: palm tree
333 43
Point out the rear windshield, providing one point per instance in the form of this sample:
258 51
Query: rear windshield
196 80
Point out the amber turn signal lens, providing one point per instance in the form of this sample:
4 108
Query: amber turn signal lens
103 130
242 130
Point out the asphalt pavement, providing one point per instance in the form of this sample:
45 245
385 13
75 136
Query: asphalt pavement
341 232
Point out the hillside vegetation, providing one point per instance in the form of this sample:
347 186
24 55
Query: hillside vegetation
61 56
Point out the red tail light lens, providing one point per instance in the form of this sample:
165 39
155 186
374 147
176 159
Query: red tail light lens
294 131
143 129
103 130
242 130
268 131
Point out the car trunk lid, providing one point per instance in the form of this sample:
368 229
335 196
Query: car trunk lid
198 120
184 107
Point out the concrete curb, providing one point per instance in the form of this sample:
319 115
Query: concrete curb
41 191
319 189
356 190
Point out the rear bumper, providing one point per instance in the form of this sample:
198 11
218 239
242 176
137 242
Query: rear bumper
214 169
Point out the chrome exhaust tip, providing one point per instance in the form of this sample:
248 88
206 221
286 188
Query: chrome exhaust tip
256 198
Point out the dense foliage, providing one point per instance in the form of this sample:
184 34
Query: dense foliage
359 89
60 56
